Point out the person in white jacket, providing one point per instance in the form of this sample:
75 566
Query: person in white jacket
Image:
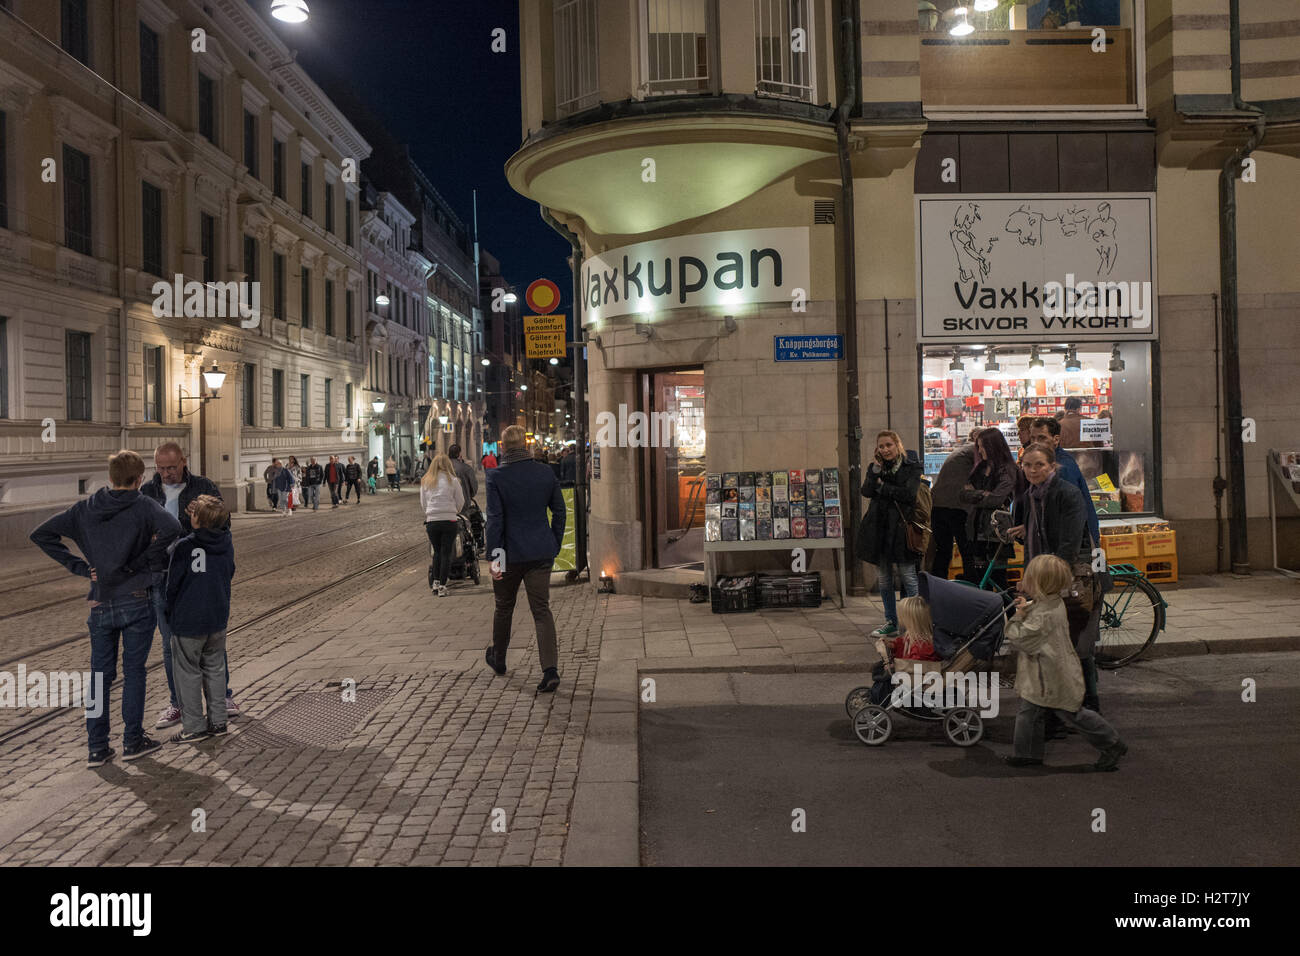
1049 677
442 498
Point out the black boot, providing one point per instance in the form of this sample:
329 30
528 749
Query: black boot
550 681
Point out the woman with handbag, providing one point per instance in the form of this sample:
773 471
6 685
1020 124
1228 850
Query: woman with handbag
993 481
883 537
1050 519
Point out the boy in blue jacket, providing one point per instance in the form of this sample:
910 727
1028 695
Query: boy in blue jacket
198 608
124 537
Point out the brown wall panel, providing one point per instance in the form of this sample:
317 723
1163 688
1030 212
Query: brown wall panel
929 163
1131 162
1033 162
983 166
1083 162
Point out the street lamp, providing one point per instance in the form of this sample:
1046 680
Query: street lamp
510 298
213 378
290 11
554 360
381 299
379 405
485 362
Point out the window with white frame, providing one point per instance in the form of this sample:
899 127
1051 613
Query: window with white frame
783 55
677 45
577 66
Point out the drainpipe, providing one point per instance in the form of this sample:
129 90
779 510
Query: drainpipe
123 321
848 97
1238 551
579 397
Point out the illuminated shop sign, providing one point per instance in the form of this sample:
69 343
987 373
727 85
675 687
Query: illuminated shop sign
742 267
1035 267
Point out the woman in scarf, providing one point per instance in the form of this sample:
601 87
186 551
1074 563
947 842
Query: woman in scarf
993 481
1051 519
891 486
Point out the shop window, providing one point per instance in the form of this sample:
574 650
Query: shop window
1100 394
981 54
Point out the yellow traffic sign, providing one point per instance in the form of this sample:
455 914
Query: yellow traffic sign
544 336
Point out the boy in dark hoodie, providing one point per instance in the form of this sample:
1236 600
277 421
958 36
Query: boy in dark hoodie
198 608
124 538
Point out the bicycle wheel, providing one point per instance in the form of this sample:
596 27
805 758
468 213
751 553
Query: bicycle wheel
1132 617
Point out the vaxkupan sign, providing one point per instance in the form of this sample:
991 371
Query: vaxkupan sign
1028 268
710 269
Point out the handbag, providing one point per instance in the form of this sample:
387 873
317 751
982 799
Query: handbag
917 533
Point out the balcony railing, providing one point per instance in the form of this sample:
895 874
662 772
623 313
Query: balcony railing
577 66
783 54
677 45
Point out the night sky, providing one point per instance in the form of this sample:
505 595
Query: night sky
425 68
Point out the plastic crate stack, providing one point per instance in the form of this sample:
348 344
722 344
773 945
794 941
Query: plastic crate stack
790 590
734 594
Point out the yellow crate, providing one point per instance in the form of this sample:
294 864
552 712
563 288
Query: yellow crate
1121 547
1158 543
1162 569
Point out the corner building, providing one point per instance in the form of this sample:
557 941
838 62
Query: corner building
1004 164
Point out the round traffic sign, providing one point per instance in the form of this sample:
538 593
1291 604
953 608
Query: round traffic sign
543 296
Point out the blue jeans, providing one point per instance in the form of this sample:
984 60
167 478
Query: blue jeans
132 619
159 595
907 570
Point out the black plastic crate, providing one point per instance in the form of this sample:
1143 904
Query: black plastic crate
733 595
790 590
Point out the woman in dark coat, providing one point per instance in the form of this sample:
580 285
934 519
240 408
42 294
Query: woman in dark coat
890 486
993 481
1050 518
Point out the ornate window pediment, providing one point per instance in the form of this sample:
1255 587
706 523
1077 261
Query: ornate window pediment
16 90
157 159
255 218
81 128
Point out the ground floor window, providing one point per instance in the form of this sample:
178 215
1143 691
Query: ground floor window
1100 395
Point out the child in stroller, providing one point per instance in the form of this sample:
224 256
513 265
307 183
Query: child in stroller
916 645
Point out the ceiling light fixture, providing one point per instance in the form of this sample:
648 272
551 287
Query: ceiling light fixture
991 362
962 27
956 365
1072 360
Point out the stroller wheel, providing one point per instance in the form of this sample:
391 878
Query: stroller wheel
473 569
857 698
873 725
964 726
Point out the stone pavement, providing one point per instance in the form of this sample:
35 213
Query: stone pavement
436 749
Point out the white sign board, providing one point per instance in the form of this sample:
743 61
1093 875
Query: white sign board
742 267
1094 429
1054 267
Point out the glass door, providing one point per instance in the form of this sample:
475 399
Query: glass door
676 449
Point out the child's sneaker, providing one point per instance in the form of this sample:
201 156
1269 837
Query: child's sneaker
185 737
169 718
886 630
100 757
146 746
232 709
217 730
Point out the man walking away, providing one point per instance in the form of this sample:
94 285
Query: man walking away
947 513
468 480
198 605
334 477
352 473
312 476
124 538
488 461
519 493
568 468
271 474
175 488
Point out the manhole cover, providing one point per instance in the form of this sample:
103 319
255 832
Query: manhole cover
321 719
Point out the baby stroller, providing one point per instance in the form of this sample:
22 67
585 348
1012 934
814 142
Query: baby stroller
967 633
464 559
477 526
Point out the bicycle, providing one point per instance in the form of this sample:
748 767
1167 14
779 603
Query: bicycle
1132 614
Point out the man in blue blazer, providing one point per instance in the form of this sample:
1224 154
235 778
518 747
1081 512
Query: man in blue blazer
522 546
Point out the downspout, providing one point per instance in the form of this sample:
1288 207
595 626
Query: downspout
848 61
1220 483
579 397
1239 553
123 321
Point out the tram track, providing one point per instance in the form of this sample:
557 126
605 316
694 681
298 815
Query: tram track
53 714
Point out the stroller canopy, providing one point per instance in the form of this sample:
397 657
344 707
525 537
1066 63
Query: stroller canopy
961 612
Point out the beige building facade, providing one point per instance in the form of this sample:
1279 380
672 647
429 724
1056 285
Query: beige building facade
691 146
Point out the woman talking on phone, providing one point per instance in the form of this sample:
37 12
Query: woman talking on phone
890 485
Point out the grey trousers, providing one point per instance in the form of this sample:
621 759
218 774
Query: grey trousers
1029 728
199 667
536 579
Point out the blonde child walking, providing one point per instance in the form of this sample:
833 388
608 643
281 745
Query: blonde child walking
1048 674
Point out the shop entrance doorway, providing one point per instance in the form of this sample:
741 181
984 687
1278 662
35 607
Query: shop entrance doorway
674 467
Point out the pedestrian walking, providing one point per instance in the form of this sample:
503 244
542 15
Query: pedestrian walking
176 489
390 470
334 478
1049 678
519 493
198 606
488 461
406 466
372 474
568 468
284 482
891 485
271 473
295 493
352 473
948 514
123 536
442 497
312 476
465 473
992 482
